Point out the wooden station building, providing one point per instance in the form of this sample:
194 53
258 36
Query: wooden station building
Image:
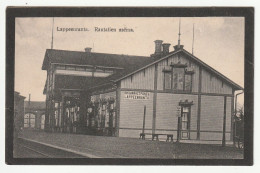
120 95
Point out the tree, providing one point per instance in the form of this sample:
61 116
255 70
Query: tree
239 126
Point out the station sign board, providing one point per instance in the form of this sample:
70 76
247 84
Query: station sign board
137 95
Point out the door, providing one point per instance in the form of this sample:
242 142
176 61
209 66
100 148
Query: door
185 122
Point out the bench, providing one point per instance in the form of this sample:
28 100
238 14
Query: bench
156 136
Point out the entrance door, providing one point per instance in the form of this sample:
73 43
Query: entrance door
185 122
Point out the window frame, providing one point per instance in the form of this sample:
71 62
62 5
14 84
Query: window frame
185 74
164 81
187 121
184 86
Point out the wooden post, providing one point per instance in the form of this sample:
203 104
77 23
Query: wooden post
118 95
62 113
179 130
155 98
144 118
199 103
232 117
224 123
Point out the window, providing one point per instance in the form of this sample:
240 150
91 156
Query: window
185 122
70 68
167 80
178 78
188 82
61 67
109 71
29 120
78 68
185 111
100 70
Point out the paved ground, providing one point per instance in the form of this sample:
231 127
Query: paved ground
113 147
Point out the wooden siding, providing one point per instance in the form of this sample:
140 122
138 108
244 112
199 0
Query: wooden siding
193 135
140 80
211 84
210 136
166 116
183 60
212 112
132 112
228 116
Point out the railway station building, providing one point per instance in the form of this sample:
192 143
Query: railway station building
123 96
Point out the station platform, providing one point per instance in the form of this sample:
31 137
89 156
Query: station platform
115 147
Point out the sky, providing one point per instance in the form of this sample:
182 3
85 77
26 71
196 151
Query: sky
219 42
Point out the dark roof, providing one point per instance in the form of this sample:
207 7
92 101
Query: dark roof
93 59
17 94
72 82
39 105
130 65
112 78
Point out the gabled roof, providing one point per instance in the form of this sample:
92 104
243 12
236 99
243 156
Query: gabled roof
128 72
211 69
91 59
129 64
17 94
117 76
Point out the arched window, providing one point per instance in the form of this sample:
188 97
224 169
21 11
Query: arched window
29 120
42 121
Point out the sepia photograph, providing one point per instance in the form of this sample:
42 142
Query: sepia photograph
129 87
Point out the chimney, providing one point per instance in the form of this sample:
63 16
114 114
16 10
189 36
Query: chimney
177 47
88 49
158 47
166 47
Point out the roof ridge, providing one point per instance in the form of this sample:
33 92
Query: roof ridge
192 56
98 53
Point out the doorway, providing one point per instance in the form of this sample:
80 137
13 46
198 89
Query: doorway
185 122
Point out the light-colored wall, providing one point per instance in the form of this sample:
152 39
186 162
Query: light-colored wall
212 84
183 60
212 113
131 115
140 80
228 114
166 110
